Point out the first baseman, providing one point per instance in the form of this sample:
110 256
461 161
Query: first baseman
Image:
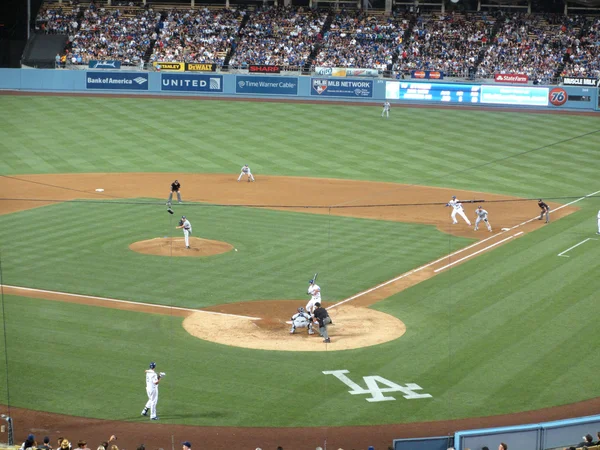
246 171
187 230
302 320
482 214
457 208
315 296
545 210
152 380
386 110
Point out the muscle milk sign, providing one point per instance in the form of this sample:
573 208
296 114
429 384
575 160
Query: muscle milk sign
580 81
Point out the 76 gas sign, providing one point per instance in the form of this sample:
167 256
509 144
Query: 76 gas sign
558 96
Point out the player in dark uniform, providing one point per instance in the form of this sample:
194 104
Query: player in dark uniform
545 210
322 316
175 186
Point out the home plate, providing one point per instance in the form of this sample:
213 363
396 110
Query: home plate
99 190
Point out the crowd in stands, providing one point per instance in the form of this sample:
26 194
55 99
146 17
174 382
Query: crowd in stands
279 36
538 45
362 39
202 35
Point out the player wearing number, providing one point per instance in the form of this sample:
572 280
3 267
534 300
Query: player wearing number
246 171
545 210
315 296
386 110
152 380
302 320
457 208
187 230
482 214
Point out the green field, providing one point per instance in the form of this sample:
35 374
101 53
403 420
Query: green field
510 330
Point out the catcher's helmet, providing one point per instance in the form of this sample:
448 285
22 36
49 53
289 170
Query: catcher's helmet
152 365
301 309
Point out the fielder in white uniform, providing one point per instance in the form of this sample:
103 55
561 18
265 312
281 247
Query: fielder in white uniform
152 380
386 110
457 208
246 171
315 296
302 320
598 222
187 230
482 214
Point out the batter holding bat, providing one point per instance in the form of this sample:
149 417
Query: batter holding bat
315 295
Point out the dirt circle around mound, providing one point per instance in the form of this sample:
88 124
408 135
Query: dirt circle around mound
353 327
176 247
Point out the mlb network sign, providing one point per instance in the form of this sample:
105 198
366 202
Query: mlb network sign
117 80
191 82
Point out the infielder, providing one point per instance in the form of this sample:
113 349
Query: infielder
187 230
482 214
302 320
315 297
152 380
457 208
386 110
545 210
246 171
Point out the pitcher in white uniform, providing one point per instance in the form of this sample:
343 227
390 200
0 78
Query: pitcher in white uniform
187 230
457 208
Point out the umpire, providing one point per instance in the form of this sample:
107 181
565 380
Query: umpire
175 186
545 210
322 316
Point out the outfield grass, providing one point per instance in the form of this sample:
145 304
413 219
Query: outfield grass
506 331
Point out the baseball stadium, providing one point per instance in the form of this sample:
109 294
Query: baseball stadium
181 184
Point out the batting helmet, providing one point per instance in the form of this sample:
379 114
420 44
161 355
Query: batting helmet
454 196
152 365
301 309
311 281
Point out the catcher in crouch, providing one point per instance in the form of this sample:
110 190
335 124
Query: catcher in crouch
302 320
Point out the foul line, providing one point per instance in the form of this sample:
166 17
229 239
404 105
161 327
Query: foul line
129 302
576 245
404 275
478 251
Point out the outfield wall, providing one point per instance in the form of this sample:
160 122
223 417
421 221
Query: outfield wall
309 87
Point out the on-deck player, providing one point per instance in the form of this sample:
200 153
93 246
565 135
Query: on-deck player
457 208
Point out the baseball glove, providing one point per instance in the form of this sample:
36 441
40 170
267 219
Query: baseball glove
180 222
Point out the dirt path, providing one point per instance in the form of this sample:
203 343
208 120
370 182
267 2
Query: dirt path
30 191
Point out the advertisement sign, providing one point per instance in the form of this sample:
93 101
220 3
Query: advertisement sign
327 87
256 84
557 96
261 68
331 71
427 74
170 66
435 92
362 72
581 81
117 80
104 64
515 95
200 67
190 82
511 78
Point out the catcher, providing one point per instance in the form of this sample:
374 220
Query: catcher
302 320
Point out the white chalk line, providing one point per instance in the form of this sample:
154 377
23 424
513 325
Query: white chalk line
576 245
129 302
411 272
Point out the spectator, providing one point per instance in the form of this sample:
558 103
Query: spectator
82 445
502 446
29 442
46 445
65 444
588 441
186 445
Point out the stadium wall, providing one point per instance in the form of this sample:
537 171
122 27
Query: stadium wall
304 88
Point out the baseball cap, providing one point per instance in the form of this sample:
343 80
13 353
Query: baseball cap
317 304
187 444
30 437
183 217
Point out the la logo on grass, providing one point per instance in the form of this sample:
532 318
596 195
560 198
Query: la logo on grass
374 387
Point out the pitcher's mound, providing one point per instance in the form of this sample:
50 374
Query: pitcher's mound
176 247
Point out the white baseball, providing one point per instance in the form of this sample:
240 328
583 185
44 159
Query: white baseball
236 249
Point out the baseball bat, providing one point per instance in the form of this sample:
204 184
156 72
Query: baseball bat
315 277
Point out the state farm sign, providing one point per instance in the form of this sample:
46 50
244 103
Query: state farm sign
511 78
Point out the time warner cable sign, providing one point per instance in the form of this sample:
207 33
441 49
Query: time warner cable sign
266 85
117 80
190 82
327 87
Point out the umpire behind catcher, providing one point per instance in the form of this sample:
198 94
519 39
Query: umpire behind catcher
322 316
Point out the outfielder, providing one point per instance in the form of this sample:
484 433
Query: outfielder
545 210
386 110
302 320
152 380
315 297
246 171
187 230
482 214
457 208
